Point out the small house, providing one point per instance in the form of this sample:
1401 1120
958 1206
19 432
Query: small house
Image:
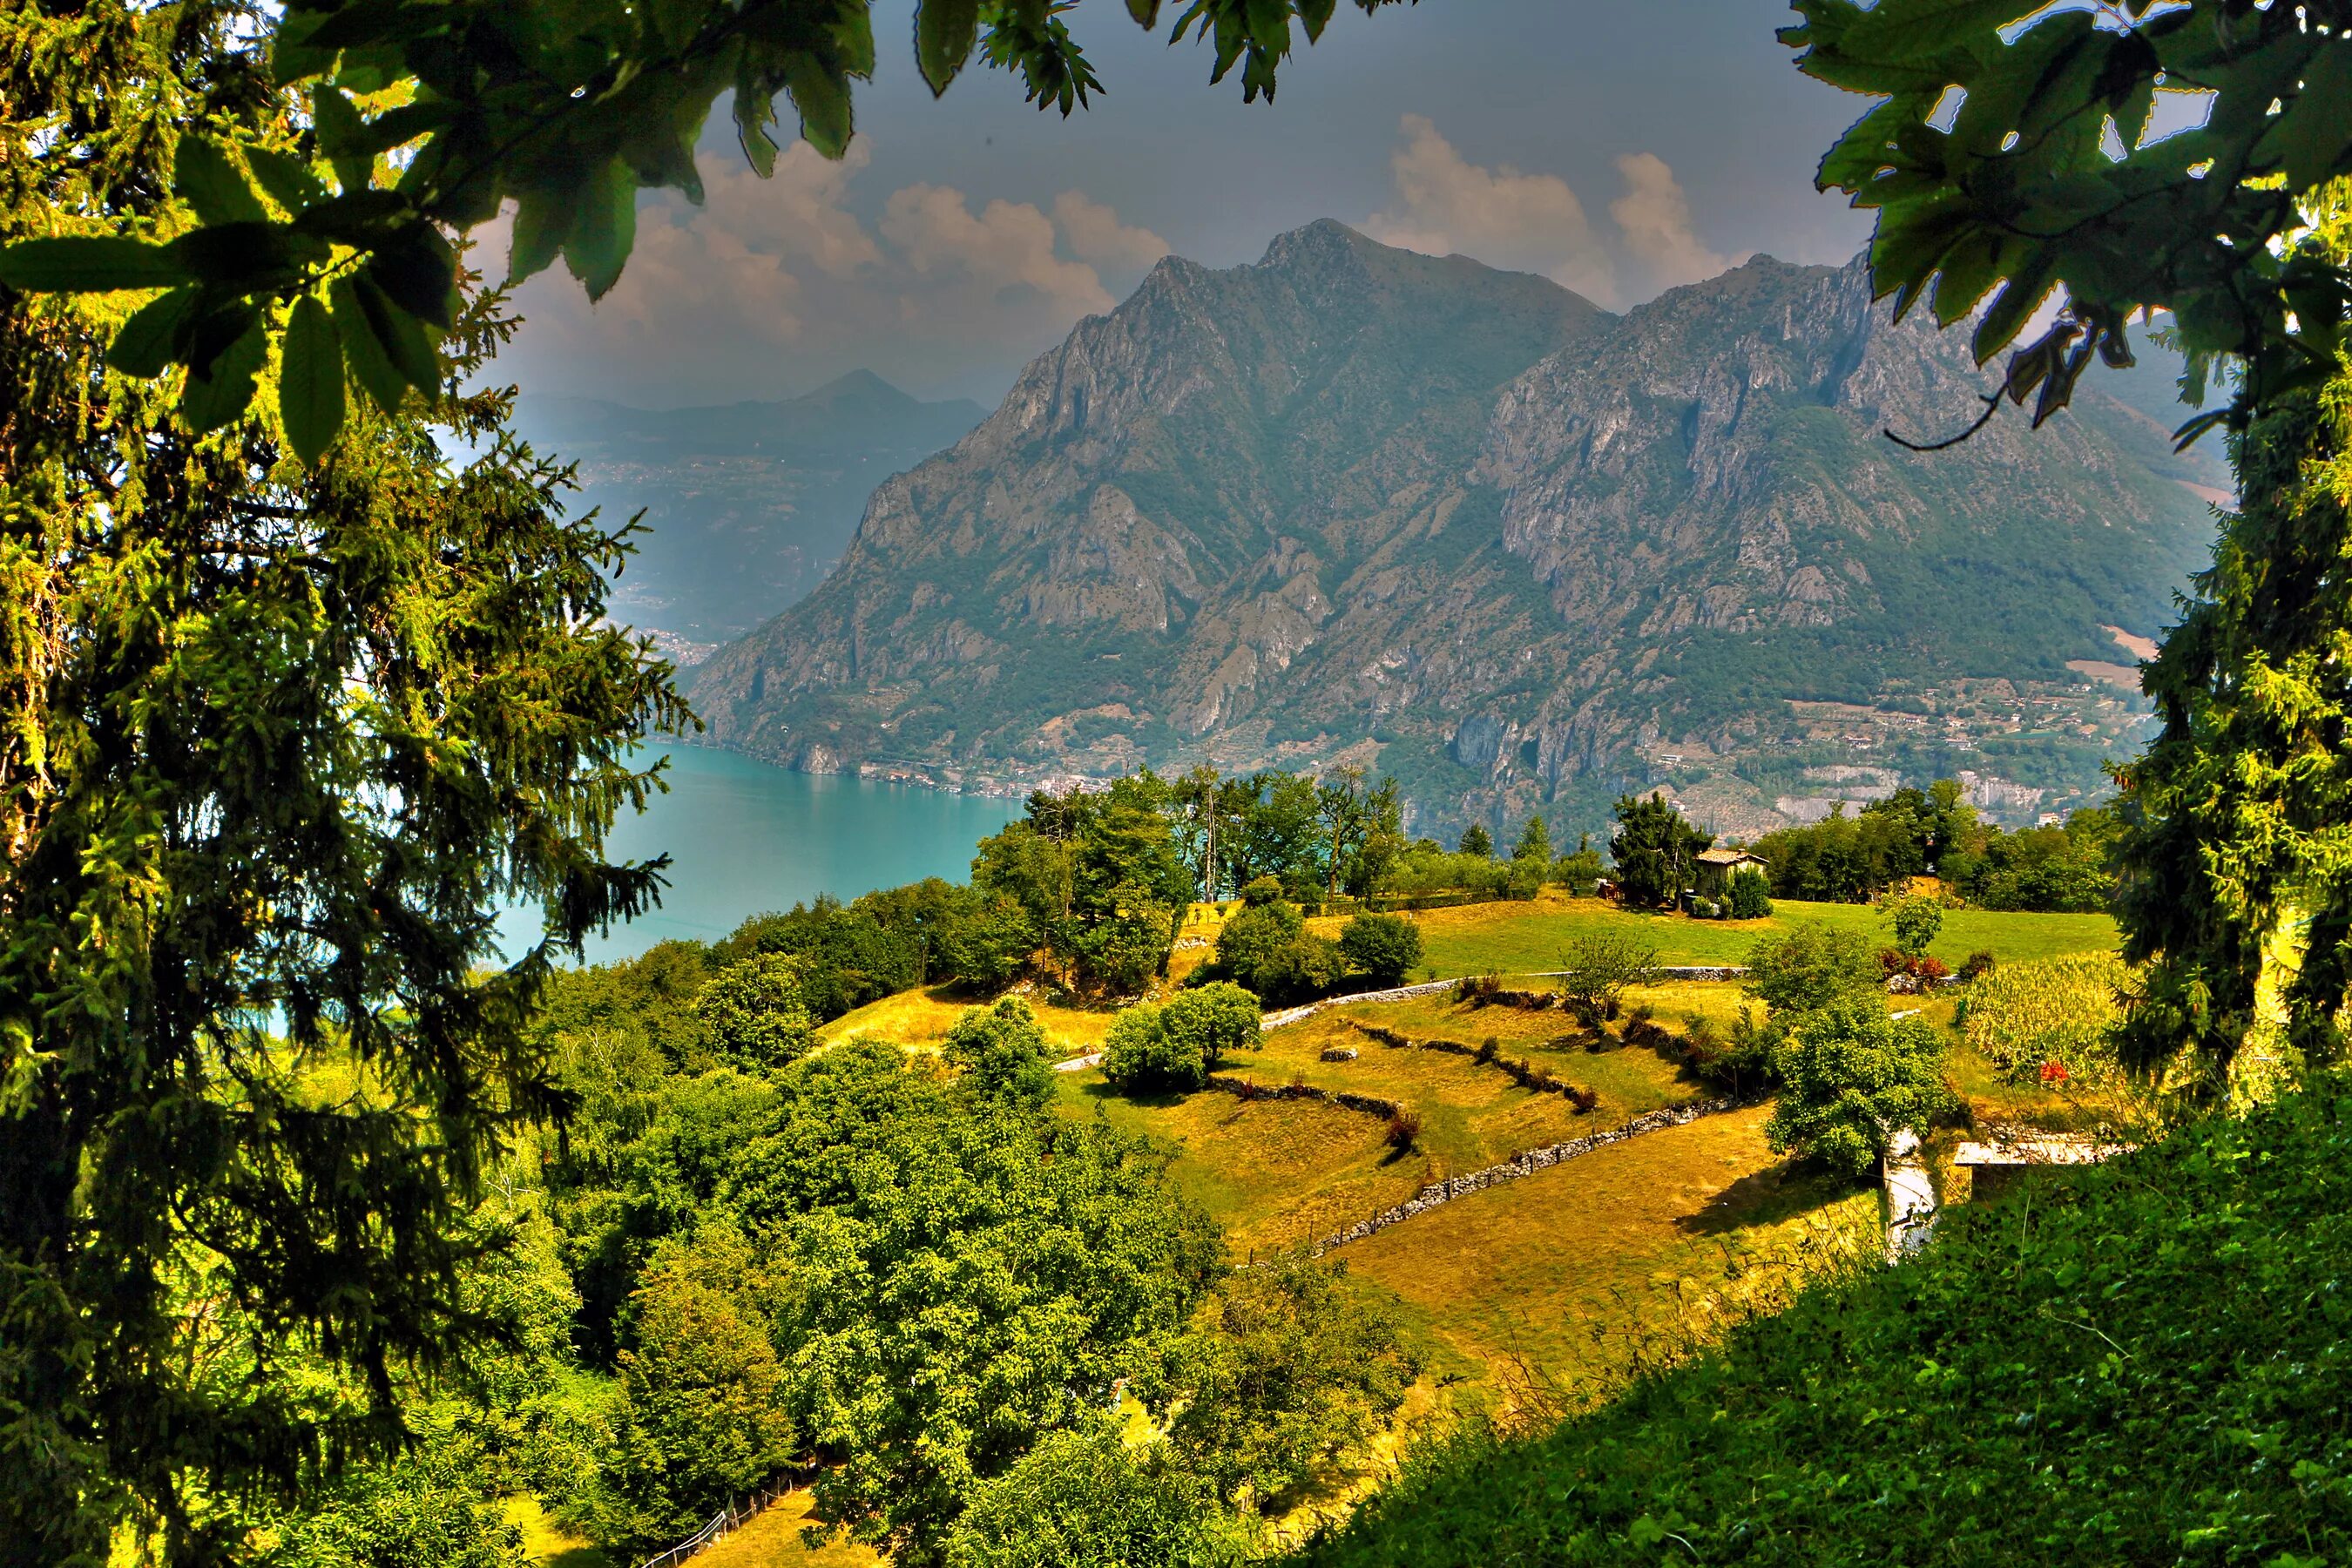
1717 867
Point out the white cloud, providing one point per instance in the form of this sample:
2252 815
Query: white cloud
1442 203
1656 217
1096 235
774 285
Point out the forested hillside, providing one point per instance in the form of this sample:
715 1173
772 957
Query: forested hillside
1355 504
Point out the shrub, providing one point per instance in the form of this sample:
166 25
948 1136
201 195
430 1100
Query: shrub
1248 945
1138 1055
1176 1044
1811 966
1977 964
1704 908
1853 1075
1260 892
2052 1009
1308 967
1583 1098
1599 969
1915 919
1490 1048
1002 1053
1751 896
1381 948
1403 1128
1087 1499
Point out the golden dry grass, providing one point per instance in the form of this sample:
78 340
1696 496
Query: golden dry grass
547 1543
773 1541
1273 1172
920 1020
1556 1274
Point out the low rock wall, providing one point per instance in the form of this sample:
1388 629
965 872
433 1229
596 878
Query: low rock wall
1288 1016
1370 1104
1438 1193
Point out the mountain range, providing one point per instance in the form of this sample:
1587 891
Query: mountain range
747 506
1355 504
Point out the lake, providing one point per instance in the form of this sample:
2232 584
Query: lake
744 838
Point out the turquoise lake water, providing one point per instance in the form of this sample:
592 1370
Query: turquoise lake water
744 838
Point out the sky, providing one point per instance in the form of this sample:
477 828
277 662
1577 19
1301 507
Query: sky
1617 148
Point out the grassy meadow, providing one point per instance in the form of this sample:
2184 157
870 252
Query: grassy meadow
1522 938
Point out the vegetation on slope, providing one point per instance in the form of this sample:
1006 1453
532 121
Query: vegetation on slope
2145 1362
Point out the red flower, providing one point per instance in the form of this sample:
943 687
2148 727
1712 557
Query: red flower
2053 1072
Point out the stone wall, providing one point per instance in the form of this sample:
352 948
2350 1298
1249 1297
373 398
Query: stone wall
1438 1193
1432 987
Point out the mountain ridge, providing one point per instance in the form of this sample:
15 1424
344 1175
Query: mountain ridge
1352 503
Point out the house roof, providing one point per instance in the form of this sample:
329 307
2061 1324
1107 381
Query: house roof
1729 857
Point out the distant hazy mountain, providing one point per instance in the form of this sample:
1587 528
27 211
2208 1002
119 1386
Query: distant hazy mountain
1466 526
749 504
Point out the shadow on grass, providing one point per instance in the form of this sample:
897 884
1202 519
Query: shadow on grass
1777 1193
578 1557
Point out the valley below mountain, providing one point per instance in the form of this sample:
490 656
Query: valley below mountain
1356 505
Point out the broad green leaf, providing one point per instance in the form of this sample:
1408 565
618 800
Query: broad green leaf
342 137
2310 138
1145 12
203 176
1968 270
363 350
292 56
755 112
404 338
945 31
1901 31
224 389
2010 309
288 181
1269 24
1315 16
1868 146
379 22
542 222
248 258
89 265
146 344
823 98
310 381
603 229
419 272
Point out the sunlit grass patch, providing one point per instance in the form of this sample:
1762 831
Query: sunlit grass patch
1561 1273
920 1020
1519 938
1273 1172
773 1541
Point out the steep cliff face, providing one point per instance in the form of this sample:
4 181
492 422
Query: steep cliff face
1462 525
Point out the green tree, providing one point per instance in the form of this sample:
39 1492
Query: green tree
1247 943
1293 1371
424 1511
1598 970
1580 872
1656 851
2237 866
1534 843
1179 1043
961 1275
1810 966
1751 895
281 741
700 1414
1477 840
1341 804
754 1011
2019 189
1383 949
1916 919
1088 1499
1852 1076
1001 1052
